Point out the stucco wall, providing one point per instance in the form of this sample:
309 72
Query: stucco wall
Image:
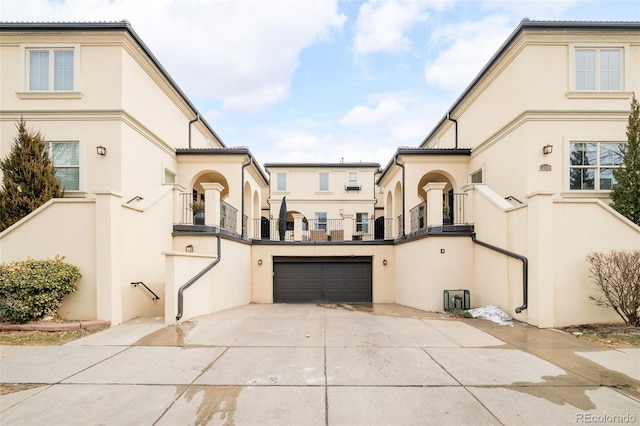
423 272
225 286
65 228
262 275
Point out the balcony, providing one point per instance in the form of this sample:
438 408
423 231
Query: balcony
227 218
447 217
346 229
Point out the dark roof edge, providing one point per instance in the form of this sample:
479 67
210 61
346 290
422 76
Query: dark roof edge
422 151
526 24
225 151
111 26
322 165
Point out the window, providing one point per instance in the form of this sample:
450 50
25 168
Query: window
592 164
281 181
362 222
476 177
65 157
50 69
598 69
323 181
352 179
321 220
169 177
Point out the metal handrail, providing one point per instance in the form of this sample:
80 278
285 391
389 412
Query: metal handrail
155 296
194 279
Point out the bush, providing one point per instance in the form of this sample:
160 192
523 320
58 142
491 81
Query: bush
31 289
617 277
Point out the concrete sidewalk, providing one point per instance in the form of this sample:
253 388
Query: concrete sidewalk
328 364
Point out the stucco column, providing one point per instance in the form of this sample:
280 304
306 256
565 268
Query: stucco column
212 201
434 192
109 281
348 226
297 226
179 208
541 259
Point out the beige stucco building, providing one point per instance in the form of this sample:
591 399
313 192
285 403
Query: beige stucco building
504 197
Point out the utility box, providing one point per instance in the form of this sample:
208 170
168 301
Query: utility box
456 299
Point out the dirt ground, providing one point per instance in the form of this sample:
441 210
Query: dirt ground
608 335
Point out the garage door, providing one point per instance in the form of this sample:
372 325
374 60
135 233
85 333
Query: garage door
322 280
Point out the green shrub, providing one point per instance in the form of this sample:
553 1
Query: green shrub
31 289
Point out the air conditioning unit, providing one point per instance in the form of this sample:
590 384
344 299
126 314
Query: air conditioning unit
456 300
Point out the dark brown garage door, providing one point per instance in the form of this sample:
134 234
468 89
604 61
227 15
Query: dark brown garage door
322 280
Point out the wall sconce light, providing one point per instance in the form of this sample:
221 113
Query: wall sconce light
384 262
101 150
341 212
380 191
259 261
189 248
547 149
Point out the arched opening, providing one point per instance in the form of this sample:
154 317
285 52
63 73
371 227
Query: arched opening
397 210
209 176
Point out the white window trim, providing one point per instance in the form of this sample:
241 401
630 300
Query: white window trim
479 169
286 182
25 93
166 170
568 192
71 193
328 190
357 178
572 93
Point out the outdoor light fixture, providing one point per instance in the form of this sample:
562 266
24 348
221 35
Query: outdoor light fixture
384 262
341 212
101 150
547 149
380 191
259 261
189 248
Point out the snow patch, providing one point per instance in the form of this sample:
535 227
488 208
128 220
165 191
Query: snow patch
492 313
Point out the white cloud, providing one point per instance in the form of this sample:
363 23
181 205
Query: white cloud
243 53
297 143
382 26
473 44
365 116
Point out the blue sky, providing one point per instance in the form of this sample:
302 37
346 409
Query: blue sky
321 81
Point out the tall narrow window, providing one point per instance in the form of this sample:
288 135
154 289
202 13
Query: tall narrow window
65 157
323 181
321 220
38 70
352 179
610 70
281 181
362 222
63 70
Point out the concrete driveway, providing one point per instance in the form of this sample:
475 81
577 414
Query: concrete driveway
327 364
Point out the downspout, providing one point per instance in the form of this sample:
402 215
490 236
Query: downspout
395 161
525 269
242 189
190 123
456 123
196 278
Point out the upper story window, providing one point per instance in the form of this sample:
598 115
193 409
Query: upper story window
281 181
592 163
323 181
352 179
598 70
321 220
65 157
50 71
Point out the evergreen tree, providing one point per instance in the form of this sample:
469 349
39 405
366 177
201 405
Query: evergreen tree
29 178
625 195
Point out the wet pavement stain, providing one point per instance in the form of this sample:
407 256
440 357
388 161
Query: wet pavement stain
172 335
388 310
219 401
552 390
560 349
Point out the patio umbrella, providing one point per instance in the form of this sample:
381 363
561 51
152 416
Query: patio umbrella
282 222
